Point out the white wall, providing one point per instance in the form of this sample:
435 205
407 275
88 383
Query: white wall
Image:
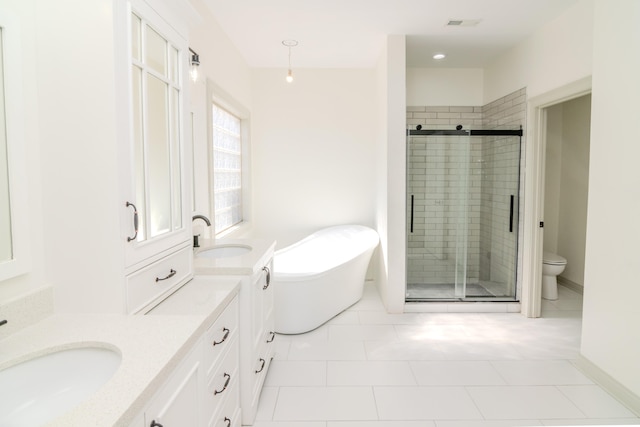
445 86
552 177
313 151
71 144
224 69
391 170
611 337
557 54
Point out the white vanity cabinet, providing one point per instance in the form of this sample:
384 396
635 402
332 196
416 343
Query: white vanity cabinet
221 356
178 400
203 390
257 336
155 212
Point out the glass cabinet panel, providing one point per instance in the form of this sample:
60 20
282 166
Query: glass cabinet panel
156 132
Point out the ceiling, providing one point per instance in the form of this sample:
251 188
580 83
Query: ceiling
351 33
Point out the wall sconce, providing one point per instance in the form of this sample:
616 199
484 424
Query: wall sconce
195 63
290 44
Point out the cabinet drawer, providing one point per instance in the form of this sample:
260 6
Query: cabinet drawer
229 415
156 280
224 381
220 335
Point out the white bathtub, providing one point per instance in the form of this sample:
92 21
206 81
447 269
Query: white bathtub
320 276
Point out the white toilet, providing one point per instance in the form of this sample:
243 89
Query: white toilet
552 266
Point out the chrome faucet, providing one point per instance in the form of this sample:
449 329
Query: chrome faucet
196 244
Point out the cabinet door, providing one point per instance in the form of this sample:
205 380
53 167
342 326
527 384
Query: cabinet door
155 206
177 403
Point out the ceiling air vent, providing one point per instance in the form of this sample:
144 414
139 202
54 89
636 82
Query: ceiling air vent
463 22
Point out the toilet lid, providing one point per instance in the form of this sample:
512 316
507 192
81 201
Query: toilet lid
551 258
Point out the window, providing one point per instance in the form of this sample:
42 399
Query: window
227 169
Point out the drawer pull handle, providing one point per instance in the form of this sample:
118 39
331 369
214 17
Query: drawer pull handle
169 276
264 362
268 281
228 421
135 222
155 424
226 384
224 337
272 336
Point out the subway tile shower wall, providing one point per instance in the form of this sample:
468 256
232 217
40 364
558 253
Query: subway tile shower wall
432 173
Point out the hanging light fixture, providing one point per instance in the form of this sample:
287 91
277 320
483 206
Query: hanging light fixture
289 44
195 63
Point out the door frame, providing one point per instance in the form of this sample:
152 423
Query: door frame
535 150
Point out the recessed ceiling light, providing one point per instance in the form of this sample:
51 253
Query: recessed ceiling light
439 56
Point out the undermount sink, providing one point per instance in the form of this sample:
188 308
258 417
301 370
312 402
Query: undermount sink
37 391
223 251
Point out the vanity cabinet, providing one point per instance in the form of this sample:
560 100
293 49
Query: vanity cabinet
257 338
178 400
203 391
155 212
256 312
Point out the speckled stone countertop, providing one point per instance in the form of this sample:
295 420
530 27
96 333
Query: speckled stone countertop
245 264
151 346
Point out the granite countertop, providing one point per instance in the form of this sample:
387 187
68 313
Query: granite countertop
151 346
245 264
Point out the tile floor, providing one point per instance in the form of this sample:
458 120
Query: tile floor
369 368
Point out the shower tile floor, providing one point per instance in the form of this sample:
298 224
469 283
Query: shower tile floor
418 291
367 368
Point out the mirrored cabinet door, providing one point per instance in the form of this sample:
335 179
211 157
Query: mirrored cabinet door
14 240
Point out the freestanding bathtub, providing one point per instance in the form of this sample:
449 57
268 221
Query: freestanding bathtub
320 276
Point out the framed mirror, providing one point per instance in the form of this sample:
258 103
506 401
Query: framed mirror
14 241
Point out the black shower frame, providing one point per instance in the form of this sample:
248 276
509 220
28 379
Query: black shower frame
470 132
462 132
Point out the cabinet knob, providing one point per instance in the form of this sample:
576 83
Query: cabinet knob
155 424
228 421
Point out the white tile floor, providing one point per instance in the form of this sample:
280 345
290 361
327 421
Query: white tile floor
369 368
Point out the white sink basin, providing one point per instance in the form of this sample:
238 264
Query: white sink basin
38 390
223 251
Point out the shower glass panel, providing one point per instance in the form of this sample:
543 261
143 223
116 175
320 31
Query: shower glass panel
462 211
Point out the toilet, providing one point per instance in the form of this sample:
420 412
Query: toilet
552 266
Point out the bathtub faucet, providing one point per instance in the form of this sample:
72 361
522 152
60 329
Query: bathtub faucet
196 244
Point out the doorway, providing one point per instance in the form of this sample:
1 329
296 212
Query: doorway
534 189
567 186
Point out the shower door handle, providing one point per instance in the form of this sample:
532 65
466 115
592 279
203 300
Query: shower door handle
411 213
511 214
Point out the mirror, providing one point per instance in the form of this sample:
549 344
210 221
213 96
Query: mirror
14 243
6 243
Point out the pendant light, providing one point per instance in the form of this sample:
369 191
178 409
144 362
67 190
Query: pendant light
289 44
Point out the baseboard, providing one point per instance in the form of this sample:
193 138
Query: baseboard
576 287
607 382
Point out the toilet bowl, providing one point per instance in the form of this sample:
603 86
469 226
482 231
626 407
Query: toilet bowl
552 266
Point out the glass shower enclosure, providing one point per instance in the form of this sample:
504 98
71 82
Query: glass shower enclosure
462 214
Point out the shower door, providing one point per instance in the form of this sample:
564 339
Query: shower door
462 193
